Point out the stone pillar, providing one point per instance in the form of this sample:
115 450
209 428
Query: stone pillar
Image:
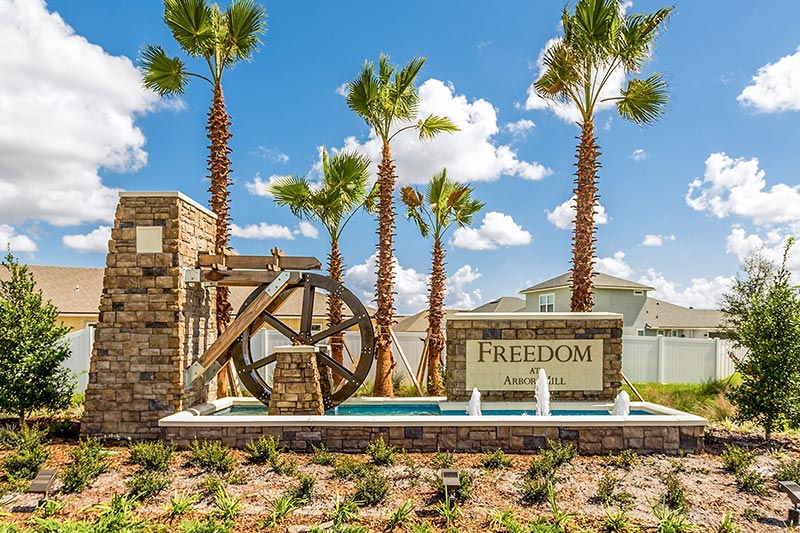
152 325
296 382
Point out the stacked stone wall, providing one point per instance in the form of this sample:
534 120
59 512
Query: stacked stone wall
296 383
151 325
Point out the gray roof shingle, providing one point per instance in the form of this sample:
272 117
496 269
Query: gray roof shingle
601 281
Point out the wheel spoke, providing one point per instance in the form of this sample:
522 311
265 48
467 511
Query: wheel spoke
264 361
337 367
288 332
334 329
307 314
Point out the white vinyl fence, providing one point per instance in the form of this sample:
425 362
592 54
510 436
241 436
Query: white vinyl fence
677 360
80 345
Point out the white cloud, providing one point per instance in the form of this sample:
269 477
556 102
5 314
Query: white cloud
776 87
259 187
273 154
469 155
771 245
563 215
737 187
9 238
614 266
566 110
519 128
341 90
307 229
638 155
656 240
262 231
67 110
94 241
701 294
497 229
411 287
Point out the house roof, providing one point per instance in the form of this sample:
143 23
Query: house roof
73 290
505 304
419 321
600 280
664 315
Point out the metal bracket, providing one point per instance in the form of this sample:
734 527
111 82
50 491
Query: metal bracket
278 283
196 370
191 275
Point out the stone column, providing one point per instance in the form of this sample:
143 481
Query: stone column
152 325
296 382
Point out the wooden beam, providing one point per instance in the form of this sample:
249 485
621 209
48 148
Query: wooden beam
405 362
238 278
259 262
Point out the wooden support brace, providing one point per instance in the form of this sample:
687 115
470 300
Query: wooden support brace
405 362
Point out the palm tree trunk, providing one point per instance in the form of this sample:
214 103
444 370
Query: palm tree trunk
585 200
219 168
335 305
385 283
436 340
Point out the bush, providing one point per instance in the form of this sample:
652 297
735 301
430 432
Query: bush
536 489
736 459
788 471
382 453
495 460
263 450
372 488
305 490
147 483
209 525
29 454
443 459
211 456
87 463
675 495
607 493
751 482
624 459
350 469
322 456
151 455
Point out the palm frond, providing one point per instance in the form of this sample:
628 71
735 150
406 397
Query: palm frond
593 29
644 100
415 208
162 74
637 37
435 124
362 94
385 70
294 192
246 22
190 23
561 73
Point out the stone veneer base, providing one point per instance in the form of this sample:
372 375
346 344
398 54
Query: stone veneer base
669 431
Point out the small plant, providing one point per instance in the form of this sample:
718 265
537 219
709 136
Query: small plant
211 455
727 525
350 469
607 493
463 491
399 517
752 482
736 458
86 465
675 495
151 455
322 456
281 507
617 521
788 471
382 453
624 459
752 515
145 484
214 484
284 467
443 459
560 454
305 490
671 520
181 504
506 519
263 451
421 527
344 510
495 460
372 488
413 471
210 525
448 509
236 477
28 455
560 518
228 506
48 508
535 489
678 465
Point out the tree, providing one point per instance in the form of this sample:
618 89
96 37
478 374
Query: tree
599 41
221 39
446 203
343 192
389 103
32 347
764 311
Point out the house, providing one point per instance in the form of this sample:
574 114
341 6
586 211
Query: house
670 320
504 304
611 294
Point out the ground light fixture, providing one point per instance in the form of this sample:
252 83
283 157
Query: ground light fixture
793 490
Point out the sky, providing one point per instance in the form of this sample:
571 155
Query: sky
682 201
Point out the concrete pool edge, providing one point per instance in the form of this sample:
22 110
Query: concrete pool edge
670 431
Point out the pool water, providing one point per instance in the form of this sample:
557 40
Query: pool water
411 409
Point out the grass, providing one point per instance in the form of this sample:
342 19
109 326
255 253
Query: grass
703 399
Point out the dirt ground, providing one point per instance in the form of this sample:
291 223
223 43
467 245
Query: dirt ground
711 491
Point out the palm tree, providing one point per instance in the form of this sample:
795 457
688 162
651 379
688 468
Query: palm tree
446 203
598 41
221 39
389 102
344 190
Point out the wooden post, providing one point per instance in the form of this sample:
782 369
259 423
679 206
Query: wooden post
405 362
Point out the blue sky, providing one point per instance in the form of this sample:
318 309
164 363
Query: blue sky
684 199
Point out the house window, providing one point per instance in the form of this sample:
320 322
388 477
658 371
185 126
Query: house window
547 303
638 293
640 333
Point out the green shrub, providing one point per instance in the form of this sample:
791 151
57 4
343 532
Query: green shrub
322 456
624 459
671 520
675 494
727 525
400 516
209 525
87 463
535 489
228 506
495 460
751 482
281 507
607 493
344 510
443 459
151 455
371 488
214 484
211 455
382 453
145 484
181 504
28 455
350 469
305 490
617 522
788 471
263 451
735 458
